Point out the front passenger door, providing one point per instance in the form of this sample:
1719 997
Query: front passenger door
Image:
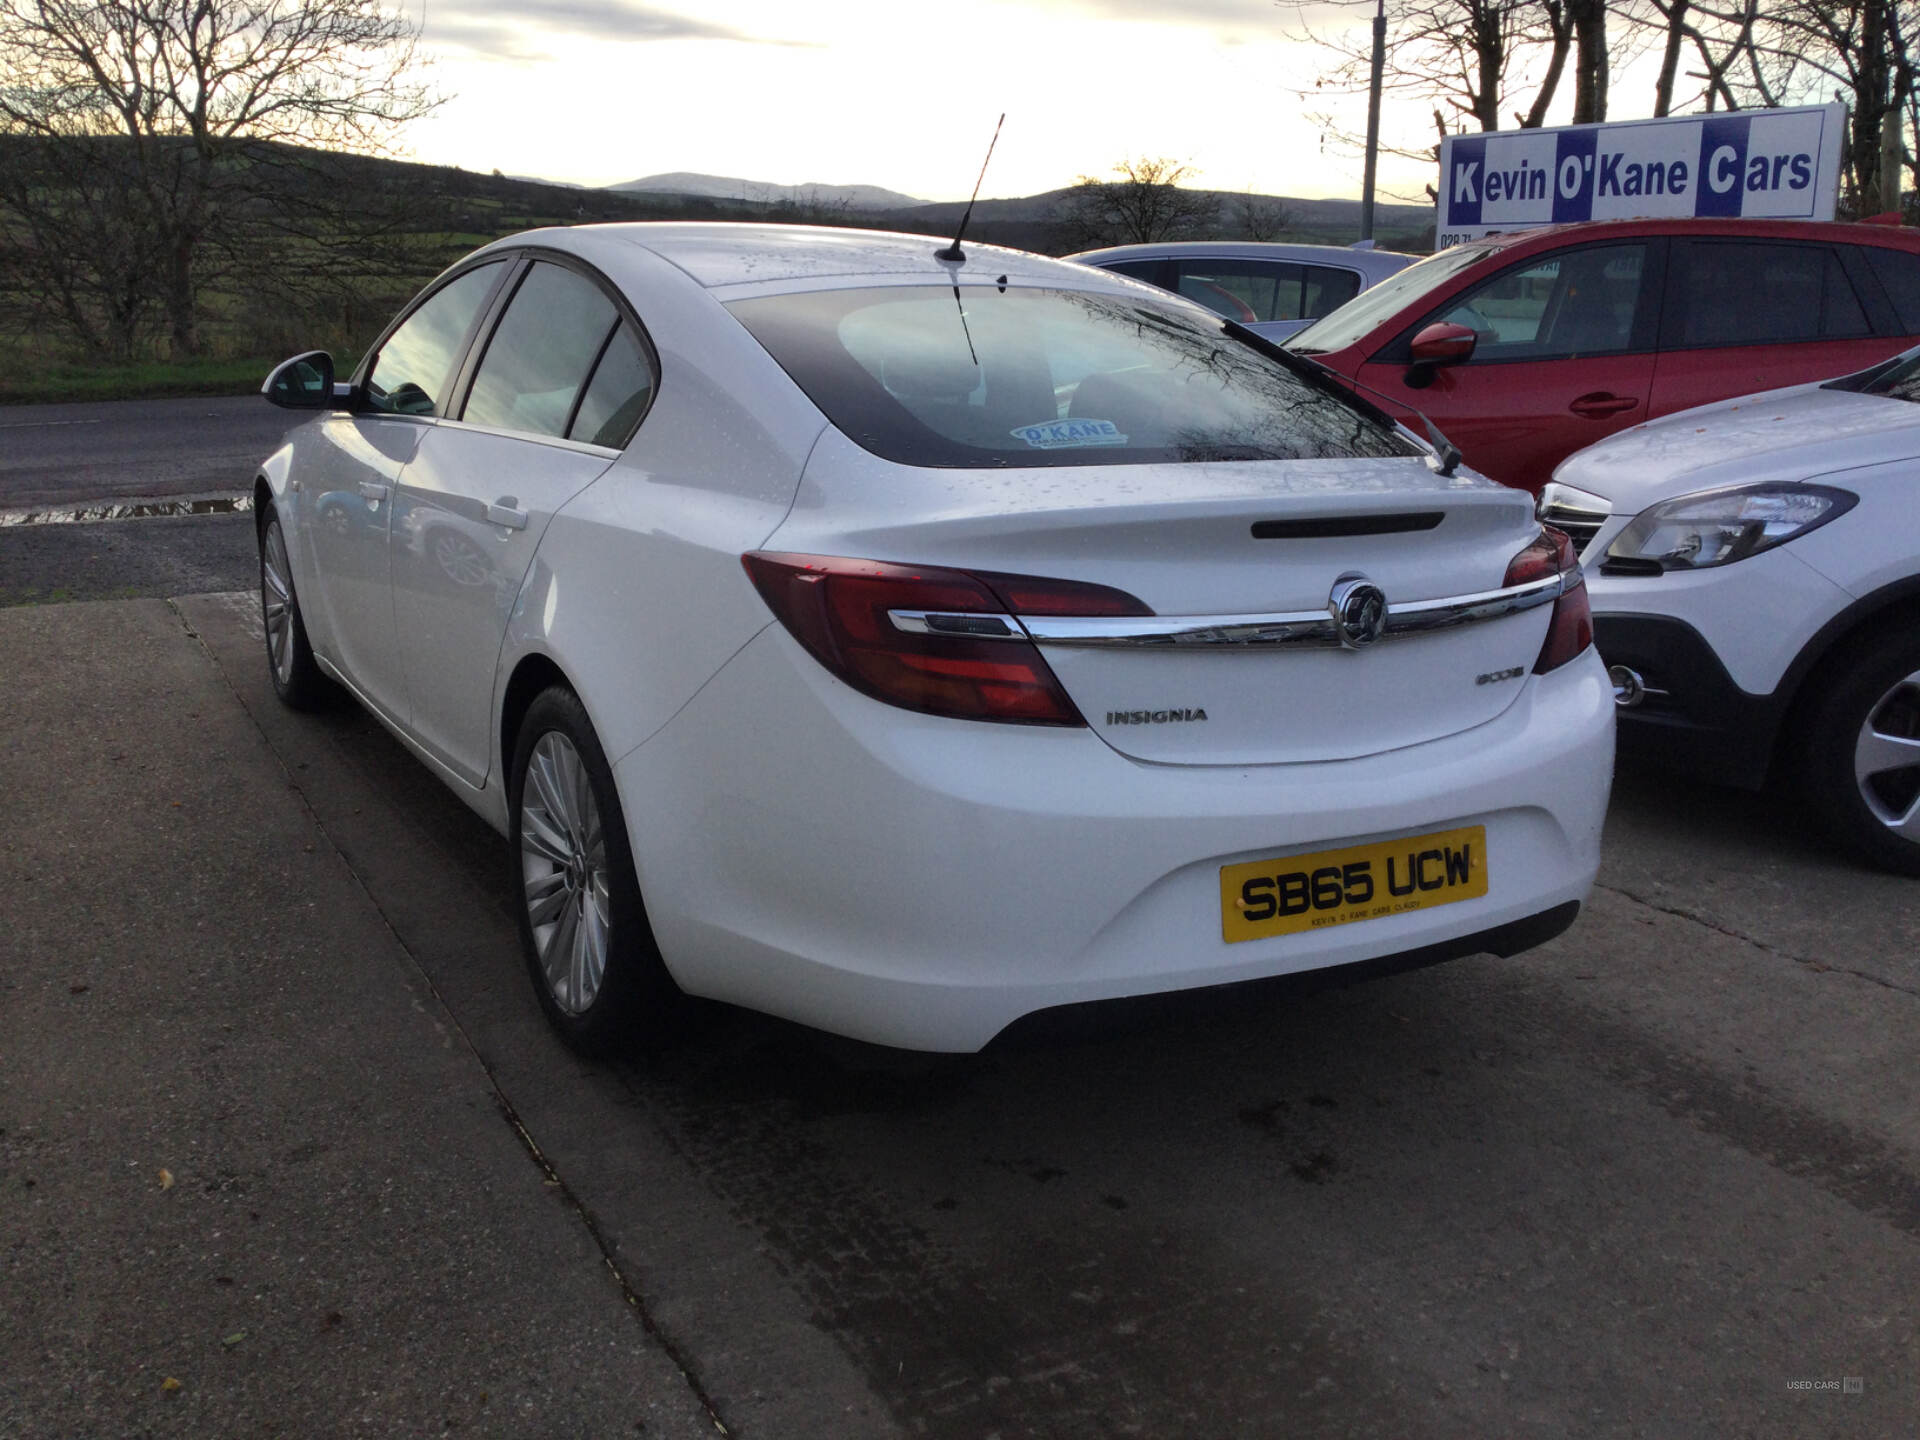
1564 356
562 382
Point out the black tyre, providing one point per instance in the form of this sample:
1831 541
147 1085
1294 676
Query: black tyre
1860 769
583 926
296 678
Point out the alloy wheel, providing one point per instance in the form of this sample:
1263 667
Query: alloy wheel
563 865
276 602
1886 758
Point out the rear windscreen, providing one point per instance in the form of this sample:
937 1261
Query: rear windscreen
982 377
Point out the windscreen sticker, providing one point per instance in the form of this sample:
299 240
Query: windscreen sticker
1069 434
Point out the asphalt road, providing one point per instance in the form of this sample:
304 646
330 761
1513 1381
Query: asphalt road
59 459
59 454
1658 1178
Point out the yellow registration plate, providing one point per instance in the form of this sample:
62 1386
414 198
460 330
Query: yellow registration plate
1335 887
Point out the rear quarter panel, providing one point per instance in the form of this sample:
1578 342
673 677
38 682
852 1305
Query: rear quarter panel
637 592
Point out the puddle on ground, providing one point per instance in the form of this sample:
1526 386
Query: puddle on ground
130 510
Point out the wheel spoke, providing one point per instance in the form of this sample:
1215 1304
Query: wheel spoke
567 779
1908 825
545 895
540 836
582 991
595 927
552 792
1877 753
557 956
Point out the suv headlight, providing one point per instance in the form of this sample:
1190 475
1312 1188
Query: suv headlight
1718 527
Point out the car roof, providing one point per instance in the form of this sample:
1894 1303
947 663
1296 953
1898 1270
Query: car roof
717 254
1367 259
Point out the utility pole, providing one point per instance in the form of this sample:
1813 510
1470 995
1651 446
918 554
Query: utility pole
1373 120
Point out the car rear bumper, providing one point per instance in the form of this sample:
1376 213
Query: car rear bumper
923 882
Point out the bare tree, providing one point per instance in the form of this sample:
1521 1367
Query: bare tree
1259 217
185 111
1144 203
1590 62
1857 51
1472 61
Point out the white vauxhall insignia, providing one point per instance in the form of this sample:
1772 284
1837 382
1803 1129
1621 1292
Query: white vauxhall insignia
907 646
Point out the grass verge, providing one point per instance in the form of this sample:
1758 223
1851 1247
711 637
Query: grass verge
60 383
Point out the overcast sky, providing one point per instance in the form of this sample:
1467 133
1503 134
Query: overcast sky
888 92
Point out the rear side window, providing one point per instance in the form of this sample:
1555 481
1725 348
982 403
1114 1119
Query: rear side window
1899 274
618 395
1245 290
541 352
1567 304
1327 289
416 364
1739 292
984 377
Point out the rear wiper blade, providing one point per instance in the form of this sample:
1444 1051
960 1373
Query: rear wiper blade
1446 455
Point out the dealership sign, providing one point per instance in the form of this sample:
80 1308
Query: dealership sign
1777 164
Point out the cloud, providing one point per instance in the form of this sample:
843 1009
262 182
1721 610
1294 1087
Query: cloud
1256 17
511 28
1261 14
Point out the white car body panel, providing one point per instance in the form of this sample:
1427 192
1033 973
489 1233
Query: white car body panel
355 461
1757 614
457 571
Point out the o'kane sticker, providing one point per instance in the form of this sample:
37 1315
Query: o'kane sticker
1070 434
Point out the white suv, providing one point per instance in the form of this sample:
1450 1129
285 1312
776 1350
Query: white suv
1754 569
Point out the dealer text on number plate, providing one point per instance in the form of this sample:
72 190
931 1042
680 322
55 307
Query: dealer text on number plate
1335 887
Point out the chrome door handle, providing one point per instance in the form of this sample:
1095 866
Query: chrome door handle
375 490
503 513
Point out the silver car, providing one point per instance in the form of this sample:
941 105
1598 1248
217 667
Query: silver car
1273 290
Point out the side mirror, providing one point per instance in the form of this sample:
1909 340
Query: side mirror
1442 343
303 383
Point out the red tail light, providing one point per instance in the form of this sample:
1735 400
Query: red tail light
842 611
1570 631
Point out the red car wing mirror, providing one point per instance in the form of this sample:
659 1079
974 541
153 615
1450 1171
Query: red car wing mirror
1443 343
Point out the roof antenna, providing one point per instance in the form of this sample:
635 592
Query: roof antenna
953 251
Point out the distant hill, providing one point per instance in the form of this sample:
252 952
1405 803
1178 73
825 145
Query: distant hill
1030 222
764 192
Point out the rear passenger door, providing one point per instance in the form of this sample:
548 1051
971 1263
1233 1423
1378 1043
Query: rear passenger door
1745 315
557 390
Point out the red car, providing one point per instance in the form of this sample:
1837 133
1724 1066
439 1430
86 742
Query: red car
1528 346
